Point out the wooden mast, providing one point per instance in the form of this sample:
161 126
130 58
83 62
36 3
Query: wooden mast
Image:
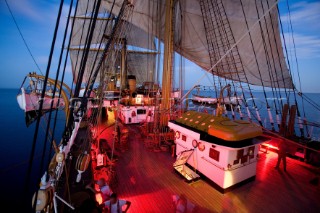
123 68
167 64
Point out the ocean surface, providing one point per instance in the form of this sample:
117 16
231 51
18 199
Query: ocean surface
16 143
259 100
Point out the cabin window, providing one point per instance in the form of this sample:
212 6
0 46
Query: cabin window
235 162
141 111
241 157
251 152
139 99
184 138
244 159
240 153
214 154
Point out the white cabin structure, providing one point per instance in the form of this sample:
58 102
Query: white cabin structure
224 151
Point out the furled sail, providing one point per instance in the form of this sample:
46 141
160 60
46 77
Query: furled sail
262 63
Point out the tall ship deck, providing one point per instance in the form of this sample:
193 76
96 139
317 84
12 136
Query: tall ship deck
130 128
148 180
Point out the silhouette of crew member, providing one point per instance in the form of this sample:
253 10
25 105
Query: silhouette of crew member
282 154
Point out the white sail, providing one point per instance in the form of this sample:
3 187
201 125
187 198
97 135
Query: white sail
91 63
86 7
191 42
140 64
134 36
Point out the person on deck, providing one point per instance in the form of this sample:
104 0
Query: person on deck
314 160
182 205
105 190
114 205
282 154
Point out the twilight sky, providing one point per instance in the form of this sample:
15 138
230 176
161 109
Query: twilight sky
36 19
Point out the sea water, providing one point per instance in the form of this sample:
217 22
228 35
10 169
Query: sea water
16 143
260 100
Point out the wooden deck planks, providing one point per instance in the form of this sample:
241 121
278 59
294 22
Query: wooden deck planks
148 180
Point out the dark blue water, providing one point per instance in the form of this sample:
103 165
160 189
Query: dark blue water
16 142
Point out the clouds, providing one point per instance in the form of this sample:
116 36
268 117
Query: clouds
25 8
37 11
306 14
307 46
42 12
305 19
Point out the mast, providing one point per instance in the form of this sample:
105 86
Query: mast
167 63
123 68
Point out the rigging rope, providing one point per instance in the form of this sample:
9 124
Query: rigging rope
293 86
89 37
76 69
281 68
231 63
41 106
93 118
100 45
96 122
296 60
61 82
52 102
268 64
108 45
233 46
256 60
24 41
219 41
271 75
310 101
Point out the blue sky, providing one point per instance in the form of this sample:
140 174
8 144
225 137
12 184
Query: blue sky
36 20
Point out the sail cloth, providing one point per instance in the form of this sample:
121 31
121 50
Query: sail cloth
140 64
190 37
76 56
87 6
134 36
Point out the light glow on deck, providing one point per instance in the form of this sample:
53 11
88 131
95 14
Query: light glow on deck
228 180
99 198
270 146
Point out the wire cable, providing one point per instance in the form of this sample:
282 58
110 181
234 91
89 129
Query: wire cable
24 41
